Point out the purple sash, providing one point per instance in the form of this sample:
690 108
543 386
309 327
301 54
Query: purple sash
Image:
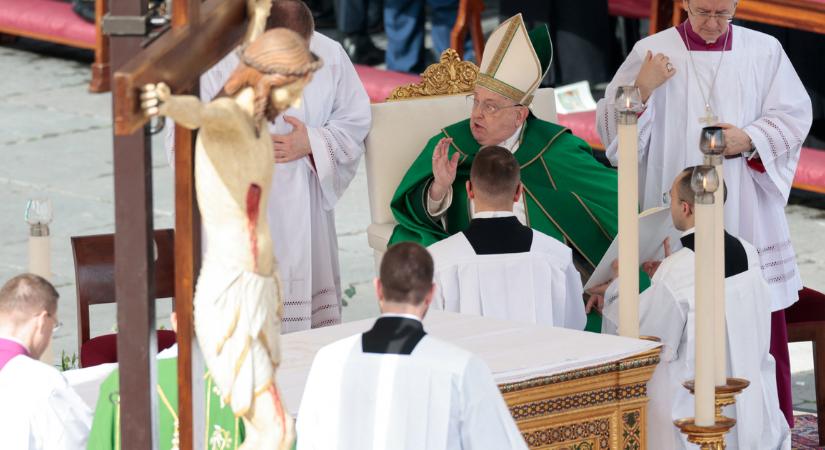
9 349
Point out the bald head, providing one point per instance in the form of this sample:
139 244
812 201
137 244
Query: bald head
292 14
26 295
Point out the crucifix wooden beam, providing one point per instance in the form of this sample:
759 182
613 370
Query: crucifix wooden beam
196 42
177 58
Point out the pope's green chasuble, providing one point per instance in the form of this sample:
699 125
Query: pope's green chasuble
568 194
223 430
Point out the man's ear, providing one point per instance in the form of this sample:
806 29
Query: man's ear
469 187
522 114
379 289
519 192
428 300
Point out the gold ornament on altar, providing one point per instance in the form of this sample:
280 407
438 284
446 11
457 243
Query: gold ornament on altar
449 76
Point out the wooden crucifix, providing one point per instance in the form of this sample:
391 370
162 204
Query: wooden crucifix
201 34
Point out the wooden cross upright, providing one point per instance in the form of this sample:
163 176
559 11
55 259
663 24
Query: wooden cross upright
196 41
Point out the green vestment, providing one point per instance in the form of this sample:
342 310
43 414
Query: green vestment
223 430
568 194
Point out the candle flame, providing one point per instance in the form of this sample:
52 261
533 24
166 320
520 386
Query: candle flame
627 102
713 141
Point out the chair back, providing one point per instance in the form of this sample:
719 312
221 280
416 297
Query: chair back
94 264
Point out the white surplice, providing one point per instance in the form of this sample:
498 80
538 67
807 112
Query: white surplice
38 410
439 397
757 90
667 311
541 286
336 111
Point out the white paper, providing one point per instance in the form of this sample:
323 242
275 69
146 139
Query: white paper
655 224
574 98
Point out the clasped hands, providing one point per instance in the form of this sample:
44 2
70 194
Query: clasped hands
596 293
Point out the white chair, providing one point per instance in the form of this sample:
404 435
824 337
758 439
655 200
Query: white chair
402 127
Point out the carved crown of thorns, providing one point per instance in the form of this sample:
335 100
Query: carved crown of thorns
276 69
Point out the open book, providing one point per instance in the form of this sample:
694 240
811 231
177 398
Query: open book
655 224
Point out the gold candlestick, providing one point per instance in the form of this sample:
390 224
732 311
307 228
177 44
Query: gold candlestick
710 437
725 393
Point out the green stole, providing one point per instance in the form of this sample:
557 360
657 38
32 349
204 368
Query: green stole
223 430
568 194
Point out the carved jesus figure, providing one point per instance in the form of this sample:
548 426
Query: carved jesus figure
238 297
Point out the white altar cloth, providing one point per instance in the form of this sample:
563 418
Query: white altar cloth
514 351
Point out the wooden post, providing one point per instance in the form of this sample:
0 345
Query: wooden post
134 264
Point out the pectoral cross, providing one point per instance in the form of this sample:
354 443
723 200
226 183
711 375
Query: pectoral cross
709 118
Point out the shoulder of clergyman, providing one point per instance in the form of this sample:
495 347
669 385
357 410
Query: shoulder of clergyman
658 42
541 136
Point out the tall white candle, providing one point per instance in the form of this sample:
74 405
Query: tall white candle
628 103
719 326
38 216
704 386
40 264
704 333
40 256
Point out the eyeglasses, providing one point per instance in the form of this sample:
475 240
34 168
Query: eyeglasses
707 15
487 108
57 323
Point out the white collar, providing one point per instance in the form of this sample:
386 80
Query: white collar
689 231
406 316
512 142
493 214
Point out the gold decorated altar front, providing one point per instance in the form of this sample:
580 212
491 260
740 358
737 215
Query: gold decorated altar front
599 407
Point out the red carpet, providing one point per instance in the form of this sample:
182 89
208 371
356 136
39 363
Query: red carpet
804 434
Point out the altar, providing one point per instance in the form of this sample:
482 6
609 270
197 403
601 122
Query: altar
565 388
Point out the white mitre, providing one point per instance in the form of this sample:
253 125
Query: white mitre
515 60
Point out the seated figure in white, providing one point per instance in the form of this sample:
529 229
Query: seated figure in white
666 310
498 267
396 388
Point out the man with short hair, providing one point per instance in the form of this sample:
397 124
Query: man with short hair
395 387
667 310
706 72
316 151
38 409
568 194
500 268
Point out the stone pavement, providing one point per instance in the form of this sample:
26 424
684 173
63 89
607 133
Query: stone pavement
56 142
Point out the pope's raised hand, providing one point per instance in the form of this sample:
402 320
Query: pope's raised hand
655 70
152 96
444 169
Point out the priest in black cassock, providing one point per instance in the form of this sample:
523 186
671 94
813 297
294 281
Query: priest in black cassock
395 387
498 267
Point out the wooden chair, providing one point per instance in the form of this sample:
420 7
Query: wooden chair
94 278
806 323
